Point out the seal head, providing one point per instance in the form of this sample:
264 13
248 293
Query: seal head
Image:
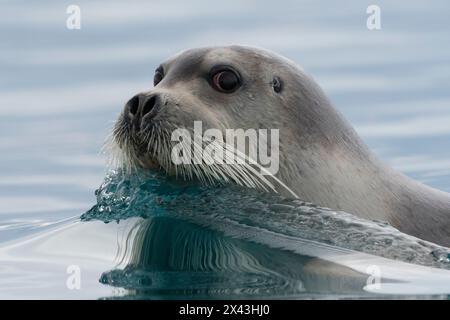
321 157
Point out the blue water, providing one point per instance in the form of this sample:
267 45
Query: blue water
62 89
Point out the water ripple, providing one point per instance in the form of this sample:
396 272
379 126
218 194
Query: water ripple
149 195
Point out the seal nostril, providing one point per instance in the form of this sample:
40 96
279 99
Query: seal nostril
133 105
148 106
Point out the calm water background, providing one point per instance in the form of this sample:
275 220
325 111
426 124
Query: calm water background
60 89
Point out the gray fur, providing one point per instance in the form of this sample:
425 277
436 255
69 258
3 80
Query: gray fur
322 159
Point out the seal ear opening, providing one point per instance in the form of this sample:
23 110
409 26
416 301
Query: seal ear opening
277 84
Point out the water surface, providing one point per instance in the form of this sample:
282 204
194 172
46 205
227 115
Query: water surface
61 89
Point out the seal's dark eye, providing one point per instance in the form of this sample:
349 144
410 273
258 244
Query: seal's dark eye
225 80
159 75
277 85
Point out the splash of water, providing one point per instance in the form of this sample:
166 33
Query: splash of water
152 194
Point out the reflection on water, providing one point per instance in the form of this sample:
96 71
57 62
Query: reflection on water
60 90
171 258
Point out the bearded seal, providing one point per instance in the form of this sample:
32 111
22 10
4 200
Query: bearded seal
321 157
